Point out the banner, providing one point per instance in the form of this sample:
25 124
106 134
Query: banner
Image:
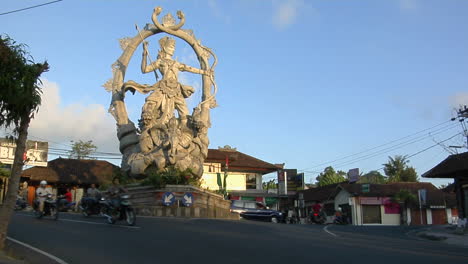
36 152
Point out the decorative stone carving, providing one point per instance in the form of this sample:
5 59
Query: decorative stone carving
167 134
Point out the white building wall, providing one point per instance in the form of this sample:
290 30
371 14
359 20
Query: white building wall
448 211
408 214
389 219
429 216
341 198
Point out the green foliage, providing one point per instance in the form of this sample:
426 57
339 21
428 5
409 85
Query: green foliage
121 178
330 176
82 149
373 177
19 82
5 172
271 184
397 170
405 197
170 175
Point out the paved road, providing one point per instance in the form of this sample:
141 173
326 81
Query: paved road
76 239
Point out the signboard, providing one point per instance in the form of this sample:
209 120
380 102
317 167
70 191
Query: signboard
168 198
36 152
353 175
295 181
187 199
282 183
422 196
365 187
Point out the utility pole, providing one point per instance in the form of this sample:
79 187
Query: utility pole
462 116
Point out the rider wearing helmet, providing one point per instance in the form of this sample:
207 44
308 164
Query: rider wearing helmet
41 194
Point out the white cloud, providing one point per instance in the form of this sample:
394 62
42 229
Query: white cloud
408 5
459 99
62 123
286 12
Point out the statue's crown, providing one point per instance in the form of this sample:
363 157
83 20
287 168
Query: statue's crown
166 41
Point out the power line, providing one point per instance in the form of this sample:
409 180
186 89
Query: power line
376 147
31 7
426 149
395 147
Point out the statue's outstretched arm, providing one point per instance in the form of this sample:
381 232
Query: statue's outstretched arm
191 69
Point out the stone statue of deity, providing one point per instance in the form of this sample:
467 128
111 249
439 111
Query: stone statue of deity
163 139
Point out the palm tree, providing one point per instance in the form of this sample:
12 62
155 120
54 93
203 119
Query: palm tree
397 170
404 198
19 101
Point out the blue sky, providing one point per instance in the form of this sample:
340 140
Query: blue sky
300 82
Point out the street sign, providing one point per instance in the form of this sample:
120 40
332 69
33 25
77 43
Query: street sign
168 198
365 188
422 196
187 199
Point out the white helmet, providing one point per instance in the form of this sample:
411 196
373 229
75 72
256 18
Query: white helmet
43 183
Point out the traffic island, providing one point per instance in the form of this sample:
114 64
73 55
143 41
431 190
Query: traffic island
185 201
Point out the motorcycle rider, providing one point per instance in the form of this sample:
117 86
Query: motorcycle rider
93 192
114 193
41 195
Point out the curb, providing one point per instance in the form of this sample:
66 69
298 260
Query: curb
29 254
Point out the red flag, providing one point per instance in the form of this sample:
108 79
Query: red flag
227 162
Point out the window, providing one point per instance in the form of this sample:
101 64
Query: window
249 205
251 181
238 203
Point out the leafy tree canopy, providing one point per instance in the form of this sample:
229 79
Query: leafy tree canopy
82 149
330 176
398 170
373 177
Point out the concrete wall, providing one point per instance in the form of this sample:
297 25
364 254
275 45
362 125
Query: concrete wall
147 201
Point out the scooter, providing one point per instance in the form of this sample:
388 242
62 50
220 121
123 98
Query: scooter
50 208
21 203
318 218
91 206
118 209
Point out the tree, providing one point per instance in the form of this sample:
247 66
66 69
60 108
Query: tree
271 184
373 177
404 198
20 99
397 170
330 176
82 149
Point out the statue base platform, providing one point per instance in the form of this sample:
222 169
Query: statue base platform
148 201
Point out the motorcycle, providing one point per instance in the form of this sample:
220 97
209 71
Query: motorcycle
119 209
64 205
318 218
50 208
21 203
91 206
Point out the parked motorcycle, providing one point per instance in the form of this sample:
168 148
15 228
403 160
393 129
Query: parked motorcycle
119 209
91 206
50 208
21 203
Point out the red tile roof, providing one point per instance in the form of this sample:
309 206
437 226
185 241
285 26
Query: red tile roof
239 161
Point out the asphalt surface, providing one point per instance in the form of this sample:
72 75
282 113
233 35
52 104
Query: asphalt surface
76 239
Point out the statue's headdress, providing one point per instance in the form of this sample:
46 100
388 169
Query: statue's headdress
166 41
